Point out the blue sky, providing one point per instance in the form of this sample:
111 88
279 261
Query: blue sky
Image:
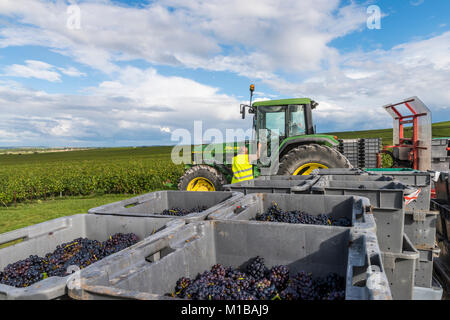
136 71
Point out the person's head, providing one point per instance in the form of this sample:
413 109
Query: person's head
243 150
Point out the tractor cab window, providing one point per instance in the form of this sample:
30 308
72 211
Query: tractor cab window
273 119
296 120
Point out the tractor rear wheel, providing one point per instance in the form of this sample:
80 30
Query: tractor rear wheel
304 159
202 178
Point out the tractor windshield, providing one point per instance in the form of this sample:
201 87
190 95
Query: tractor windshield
272 118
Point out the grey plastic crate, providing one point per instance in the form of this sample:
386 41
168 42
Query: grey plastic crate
440 164
369 165
369 160
339 171
431 293
439 148
280 177
381 194
351 177
151 204
354 159
368 155
442 186
368 141
200 245
400 270
406 176
388 206
43 238
272 186
355 163
349 144
443 221
418 179
420 226
350 207
424 267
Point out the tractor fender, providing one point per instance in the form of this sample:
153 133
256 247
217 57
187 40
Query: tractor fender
292 143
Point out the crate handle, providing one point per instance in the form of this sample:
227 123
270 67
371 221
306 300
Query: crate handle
7 239
32 232
161 249
307 185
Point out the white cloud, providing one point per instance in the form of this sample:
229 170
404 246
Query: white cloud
352 95
72 72
33 69
261 36
140 107
40 70
416 2
146 88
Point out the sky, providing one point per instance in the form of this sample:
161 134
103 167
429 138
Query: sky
102 73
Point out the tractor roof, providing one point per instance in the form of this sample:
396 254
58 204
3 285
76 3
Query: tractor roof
282 102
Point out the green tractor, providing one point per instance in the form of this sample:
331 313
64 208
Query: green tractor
300 150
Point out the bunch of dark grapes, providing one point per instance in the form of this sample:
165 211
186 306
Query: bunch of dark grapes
118 242
256 268
182 212
290 293
258 283
330 287
279 276
80 252
342 222
23 273
276 214
265 290
219 270
304 285
181 286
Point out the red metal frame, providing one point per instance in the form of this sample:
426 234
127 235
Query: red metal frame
413 118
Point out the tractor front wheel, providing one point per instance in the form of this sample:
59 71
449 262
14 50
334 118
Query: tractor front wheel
302 160
202 178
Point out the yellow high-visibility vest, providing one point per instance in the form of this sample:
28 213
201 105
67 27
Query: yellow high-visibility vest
242 169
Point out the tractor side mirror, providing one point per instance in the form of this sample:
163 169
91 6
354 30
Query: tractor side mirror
243 110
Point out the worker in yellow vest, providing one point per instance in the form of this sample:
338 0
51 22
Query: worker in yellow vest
242 167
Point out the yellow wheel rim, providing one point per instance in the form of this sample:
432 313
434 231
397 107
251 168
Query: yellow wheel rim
307 168
200 184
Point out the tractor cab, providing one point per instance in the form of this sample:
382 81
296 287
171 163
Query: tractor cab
287 118
282 119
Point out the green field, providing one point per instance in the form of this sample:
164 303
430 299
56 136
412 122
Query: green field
75 181
26 214
96 171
